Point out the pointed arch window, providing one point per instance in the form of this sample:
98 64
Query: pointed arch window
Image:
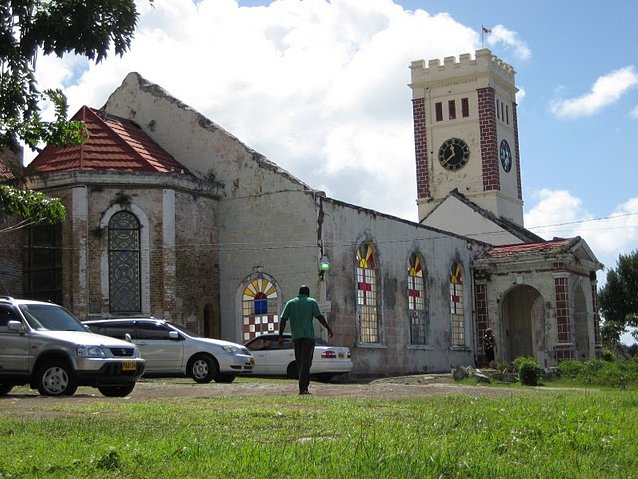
456 305
260 308
367 294
416 300
124 263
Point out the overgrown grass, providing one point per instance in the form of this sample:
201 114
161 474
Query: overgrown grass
600 373
539 434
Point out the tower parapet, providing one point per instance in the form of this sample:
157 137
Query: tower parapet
484 62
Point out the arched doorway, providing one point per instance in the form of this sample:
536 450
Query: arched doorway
211 326
523 331
581 326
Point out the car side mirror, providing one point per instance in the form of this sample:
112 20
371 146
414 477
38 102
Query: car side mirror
15 326
173 335
127 337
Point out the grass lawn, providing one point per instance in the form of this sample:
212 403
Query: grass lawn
547 434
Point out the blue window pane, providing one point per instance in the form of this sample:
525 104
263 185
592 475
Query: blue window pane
261 306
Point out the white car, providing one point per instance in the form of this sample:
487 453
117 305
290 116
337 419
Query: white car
274 359
170 350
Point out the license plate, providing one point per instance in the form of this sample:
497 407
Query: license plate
342 355
252 361
129 365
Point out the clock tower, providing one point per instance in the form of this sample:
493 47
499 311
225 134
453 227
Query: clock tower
466 133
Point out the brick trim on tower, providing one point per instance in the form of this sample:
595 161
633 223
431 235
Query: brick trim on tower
421 148
487 127
516 152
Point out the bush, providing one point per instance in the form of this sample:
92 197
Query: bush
608 356
529 371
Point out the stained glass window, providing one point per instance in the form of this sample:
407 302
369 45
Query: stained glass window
456 305
124 263
260 308
416 300
367 294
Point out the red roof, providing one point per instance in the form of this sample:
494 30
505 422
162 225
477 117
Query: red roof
113 144
556 245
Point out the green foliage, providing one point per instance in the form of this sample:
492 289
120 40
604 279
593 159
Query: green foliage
30 204
619 298
608 355
600 373
529 371
33 27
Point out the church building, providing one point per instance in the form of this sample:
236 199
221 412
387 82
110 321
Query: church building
170 215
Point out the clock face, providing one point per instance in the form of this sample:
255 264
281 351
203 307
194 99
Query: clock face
506 156
454 154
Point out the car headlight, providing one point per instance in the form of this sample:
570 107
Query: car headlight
91 352
230 349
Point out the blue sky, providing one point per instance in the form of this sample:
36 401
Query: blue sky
320 88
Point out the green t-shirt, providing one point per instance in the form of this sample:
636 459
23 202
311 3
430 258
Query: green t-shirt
299 312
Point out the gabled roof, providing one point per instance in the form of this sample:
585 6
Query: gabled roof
576 247
514 229
557 245
113 144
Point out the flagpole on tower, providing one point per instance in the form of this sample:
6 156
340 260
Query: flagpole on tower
484 30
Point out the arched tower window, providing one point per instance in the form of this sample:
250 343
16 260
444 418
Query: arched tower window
416 300
367 294
259 308
124 263
456 305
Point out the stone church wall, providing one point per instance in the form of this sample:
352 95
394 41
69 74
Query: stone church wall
345 226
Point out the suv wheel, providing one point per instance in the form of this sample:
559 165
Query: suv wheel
5 388
203 368
117 391
55 378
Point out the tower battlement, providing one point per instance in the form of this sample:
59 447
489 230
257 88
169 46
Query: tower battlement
484 62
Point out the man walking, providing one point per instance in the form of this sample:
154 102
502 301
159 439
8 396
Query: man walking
300 311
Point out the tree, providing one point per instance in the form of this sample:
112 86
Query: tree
32 27
618 299
33 206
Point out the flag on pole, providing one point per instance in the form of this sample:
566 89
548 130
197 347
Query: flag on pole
484 30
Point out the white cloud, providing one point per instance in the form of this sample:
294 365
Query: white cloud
319 87
559 213
634 113
606 90
500 35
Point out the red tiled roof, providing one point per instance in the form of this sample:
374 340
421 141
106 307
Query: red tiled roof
554 246
113 144
5 172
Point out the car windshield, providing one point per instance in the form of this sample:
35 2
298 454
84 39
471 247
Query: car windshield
49 317
184 330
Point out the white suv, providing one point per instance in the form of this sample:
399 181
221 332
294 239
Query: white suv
171 350
45 346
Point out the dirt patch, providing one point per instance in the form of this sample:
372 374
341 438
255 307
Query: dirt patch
25 401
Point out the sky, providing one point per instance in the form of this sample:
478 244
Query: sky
321 88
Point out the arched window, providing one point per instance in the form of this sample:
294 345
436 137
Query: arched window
456 305
367 294
416 300
124 263
259 308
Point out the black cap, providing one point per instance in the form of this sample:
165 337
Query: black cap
305 290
